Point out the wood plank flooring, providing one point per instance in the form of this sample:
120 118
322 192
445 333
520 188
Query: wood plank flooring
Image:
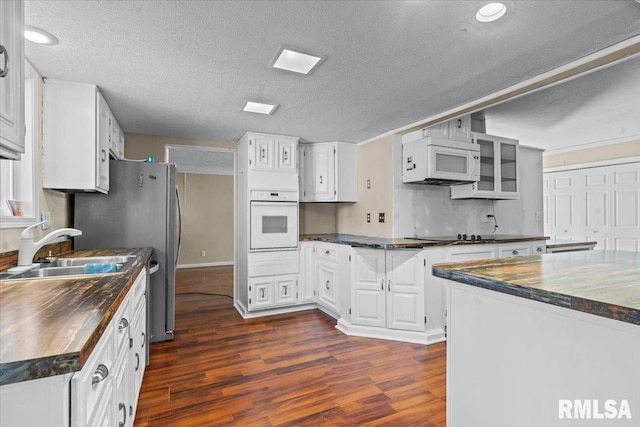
286 370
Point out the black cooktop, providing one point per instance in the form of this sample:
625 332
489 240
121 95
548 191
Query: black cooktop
470 237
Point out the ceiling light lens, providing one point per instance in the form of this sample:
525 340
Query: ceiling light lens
36 35
258 107
491 12
297 62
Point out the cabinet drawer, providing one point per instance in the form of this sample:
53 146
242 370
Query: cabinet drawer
123 322
327 252
514 249
93 384
272 263
138 291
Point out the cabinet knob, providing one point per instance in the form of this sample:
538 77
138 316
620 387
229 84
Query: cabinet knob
143 340
103 155
539 249
5 70
327 284
122 407
514 252
100 374
124 323
389 285
327 252
459 123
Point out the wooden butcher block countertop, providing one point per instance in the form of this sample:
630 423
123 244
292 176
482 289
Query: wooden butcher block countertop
50 326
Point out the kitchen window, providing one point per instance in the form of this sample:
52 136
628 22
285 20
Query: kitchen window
19 178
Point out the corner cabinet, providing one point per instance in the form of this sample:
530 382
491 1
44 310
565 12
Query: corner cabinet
388 289
328 172
78 134
11 79
498 170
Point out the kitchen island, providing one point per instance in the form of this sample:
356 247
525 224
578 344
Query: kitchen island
541 340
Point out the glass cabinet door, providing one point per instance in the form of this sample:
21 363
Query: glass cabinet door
487 165
508 169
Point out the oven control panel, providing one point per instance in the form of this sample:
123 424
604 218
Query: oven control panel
280 196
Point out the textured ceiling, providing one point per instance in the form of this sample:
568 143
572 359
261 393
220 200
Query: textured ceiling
184 68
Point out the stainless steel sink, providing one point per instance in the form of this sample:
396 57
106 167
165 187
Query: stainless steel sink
71 267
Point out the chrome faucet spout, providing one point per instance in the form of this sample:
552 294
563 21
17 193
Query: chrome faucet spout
28 248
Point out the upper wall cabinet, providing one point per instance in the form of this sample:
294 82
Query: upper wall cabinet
498 170
78 129
328 172
456 130
268 162
11 79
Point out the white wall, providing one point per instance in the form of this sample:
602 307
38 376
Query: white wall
422 210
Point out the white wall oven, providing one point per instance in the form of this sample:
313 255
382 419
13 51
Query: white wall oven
273 220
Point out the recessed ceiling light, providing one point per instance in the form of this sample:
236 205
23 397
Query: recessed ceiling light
36 35
259 107
298 62
491 12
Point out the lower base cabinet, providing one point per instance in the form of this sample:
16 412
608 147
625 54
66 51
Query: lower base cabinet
273 291
104 392
388 289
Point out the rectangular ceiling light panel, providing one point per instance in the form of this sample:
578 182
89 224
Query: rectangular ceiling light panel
298 62
258 107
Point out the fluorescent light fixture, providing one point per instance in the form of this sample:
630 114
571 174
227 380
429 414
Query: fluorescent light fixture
259 107
298 62
491 12
36 35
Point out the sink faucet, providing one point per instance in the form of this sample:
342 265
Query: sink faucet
28 247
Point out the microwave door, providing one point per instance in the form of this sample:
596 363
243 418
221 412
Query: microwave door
451 163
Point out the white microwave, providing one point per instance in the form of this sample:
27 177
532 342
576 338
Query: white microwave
440 161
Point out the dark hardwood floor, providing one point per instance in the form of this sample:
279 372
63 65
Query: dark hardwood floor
286 370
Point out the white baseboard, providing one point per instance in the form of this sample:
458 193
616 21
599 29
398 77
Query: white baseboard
270 312
205 264
425 338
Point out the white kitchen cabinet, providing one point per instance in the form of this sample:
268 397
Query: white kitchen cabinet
456 129
116 139
515 249
388 289
11 79
272 153
328 276
498 170
328 172
272 291
76 133
307 276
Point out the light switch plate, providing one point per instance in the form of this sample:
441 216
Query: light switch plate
368 217
381 217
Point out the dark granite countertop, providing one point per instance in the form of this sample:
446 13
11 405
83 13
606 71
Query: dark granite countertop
408 243
553 243
50 326
603 283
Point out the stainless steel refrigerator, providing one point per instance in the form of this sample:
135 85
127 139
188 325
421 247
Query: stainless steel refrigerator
140 210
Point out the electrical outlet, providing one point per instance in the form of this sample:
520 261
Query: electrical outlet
381 217
203 253
45 216
368 184
368 217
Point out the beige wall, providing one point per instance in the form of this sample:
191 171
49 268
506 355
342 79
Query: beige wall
51 201
317 218
375 162
206 201
595 154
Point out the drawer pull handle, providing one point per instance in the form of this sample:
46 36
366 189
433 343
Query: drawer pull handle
100 374
5 70
143 340
382 284
122 407
327 284
389 285
137 361
514 252
539 249
320 179
327 252
124 323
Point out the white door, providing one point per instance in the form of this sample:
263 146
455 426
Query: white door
368 288
285 155
274 225
323 172
565 215
405 290
626 207
261 293
597 193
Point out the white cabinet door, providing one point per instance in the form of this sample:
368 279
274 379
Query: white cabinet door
306 173
123 390
405 287
138 353
460 129
327 284
597 215
441 130
103 140
286 154
12 79
368 293
565 212
307 283
323 172
261 293
625 198
286 288
263 153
